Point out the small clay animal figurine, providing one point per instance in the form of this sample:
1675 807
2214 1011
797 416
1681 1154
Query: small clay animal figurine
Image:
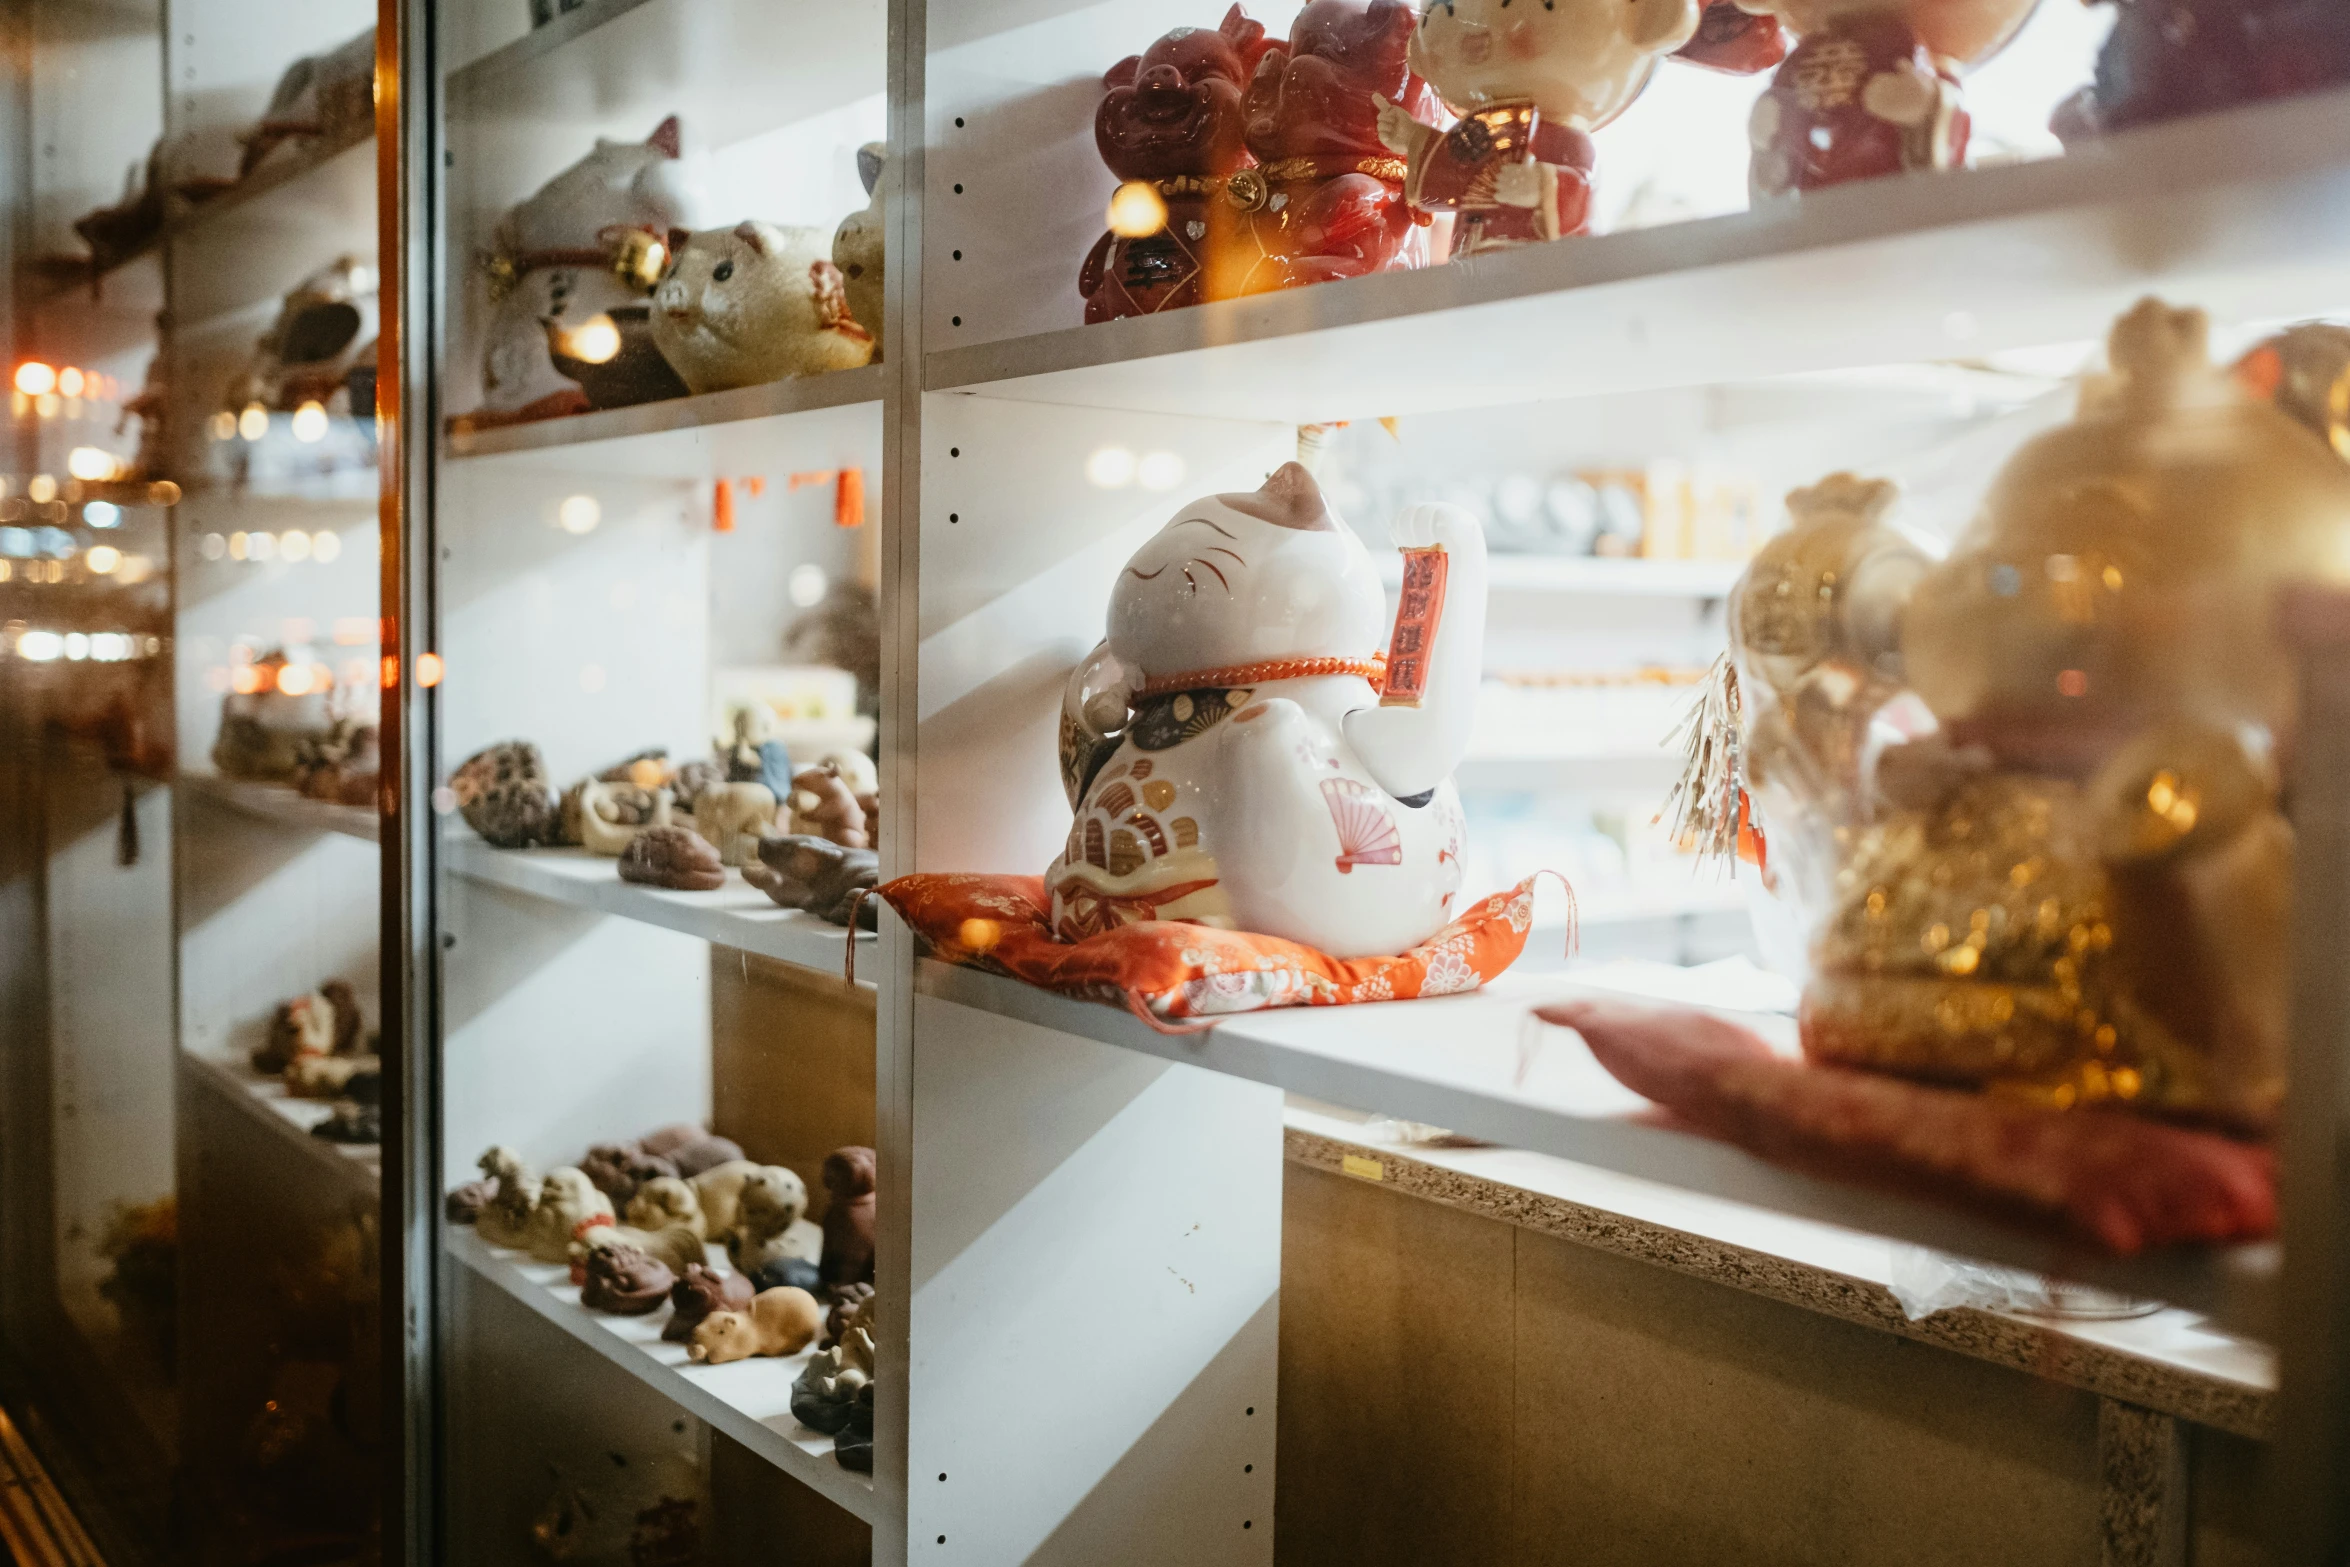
625 1282
677 1246
780 1322
326 1077
343 766
1173 117
666 1200
568 277
1531 83
466 1200
2167 58
618 1169
567 1199
706 1151
1326 197
691 778
849 1309
824 803
753 304
324 99
816 874
698 1292
506 1219
1230 760
848 1216
824 1397
673 857
735 816
796 1272
503 794
770 1221
304 1026
860 243
604 818
719 1189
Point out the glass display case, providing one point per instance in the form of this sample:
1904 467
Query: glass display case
1014 781
191 649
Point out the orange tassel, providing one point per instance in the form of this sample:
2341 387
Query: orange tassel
722 507
848 499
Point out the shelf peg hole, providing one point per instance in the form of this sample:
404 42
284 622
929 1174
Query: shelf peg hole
958 122
942 1475
953 516
954 451
1248 1469
958 188
958 255
958 320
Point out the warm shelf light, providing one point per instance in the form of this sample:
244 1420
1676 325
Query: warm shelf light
595 341
92 464
294 544
1136 210
42 490
1110 468
34 378
310 422
71 381
102 559
579 514
428 669
325 546
253 423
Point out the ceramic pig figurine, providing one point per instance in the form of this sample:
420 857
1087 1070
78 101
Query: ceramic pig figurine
755 303
574 258
1530 84
567 1199
1174 117
1231 761
1326 198
860 244
780 1322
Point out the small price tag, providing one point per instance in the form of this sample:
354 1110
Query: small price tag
1419 609
1363 1169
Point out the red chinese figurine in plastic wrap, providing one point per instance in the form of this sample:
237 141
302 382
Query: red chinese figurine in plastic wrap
2166 58
1326 198
1871 88
1530 82
1174 128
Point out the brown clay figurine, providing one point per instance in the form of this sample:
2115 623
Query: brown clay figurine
505 1219
735 816
780 1322
674 1245
850 1308
771 1223
672 857
824 802
720 1190
848 1217
304 1026
698 1292
465 1201
567 1199
664 1201
807 872
625 1282
618 1169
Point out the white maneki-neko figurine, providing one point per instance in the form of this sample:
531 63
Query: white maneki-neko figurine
1240 754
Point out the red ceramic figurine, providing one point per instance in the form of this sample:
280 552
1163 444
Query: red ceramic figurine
1871 88
1326 198
2166 58
1174 120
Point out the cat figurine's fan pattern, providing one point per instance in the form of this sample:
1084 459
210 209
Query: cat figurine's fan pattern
1227 750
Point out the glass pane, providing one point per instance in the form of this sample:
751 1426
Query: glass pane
656 532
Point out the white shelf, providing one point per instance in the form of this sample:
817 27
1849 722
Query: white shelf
712 436
1596 575
729 69
749 1400
285 806
1480 1065
737 915
2246 213
265 1101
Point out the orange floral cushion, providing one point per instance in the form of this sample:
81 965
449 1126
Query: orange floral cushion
1169 973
